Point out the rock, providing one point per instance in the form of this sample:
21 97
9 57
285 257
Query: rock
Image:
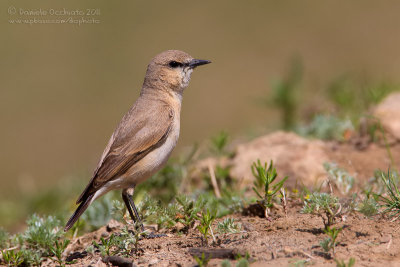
76 255
293 156
153 261
118 261
179 226
388 113
100 263
113 225
385 239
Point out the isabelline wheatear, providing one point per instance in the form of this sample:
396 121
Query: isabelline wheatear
146 135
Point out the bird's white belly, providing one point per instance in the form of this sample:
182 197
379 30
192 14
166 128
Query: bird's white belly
155 160
145 167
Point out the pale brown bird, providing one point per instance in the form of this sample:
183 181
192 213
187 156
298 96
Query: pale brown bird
146 135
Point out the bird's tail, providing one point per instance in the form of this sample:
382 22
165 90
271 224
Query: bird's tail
78 212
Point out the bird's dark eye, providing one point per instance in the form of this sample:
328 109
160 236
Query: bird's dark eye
174 64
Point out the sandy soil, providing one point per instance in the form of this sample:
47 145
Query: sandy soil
283 240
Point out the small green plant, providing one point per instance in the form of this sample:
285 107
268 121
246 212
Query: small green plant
42 233
226 263
58 250
153 211
106 245
327 127
118 210
342 263
219 142
265 176
12 258
300 263
243 261
206 220
390 200
92 248
124 242
340 177
99 212
3 238
189 209
32 257
330 243
284 93
377 186
228 225
324 205
202 261
138 234
369 205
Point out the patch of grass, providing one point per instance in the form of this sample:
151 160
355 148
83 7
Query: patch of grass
12 257
327 127
330 243
378 183
206 220
284 93
99 212
219 143
58 251
324 205
153 211
352 98
4 236
265 177
185 209
230 202
188 210
343 181
300 263
228 225
42 239
124 243
226 263
42 233
369 205
242 263
342 263
106 245
391 199
202 261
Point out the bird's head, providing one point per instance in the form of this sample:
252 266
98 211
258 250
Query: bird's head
171 70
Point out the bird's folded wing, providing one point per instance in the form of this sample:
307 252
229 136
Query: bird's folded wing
140 132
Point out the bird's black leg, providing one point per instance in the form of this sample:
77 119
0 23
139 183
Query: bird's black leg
130 205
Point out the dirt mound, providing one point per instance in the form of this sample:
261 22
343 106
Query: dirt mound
294 156
388 113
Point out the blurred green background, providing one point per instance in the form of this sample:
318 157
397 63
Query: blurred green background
64 87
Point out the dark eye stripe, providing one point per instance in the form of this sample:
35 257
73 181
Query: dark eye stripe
175 64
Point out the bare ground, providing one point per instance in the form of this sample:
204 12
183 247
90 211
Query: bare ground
282 240
279 242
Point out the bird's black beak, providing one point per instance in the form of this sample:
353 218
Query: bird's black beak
197 62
